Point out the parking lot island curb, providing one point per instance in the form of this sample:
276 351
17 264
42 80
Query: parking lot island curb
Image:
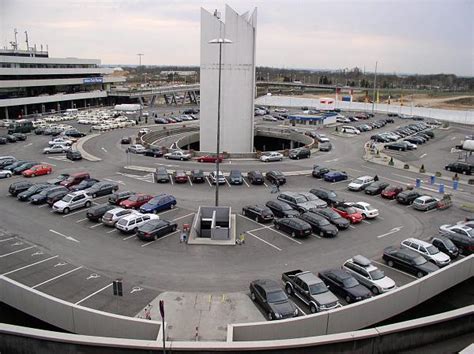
84 153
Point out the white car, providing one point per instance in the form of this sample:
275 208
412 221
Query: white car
271 156
458 229
369 275
136 149
367 210
280 110
56 149
144 131
360 183
350 130
342 119
71 201
215 178
427 250
133 221
114 215
269 118
5 174
60 141
177 155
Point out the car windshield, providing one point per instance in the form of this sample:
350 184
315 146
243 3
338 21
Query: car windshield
300 200
317 288
133 198
323 222
432 250
235 173
350 282
122 222
350 210
67 198
419 260
470 233
154 201
310 196
276 296
358 181
149 226
286 207
376 274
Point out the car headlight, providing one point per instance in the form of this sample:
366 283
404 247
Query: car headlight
277 315
358 298
296 312
322 306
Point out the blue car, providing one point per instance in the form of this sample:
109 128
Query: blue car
159 203
335 176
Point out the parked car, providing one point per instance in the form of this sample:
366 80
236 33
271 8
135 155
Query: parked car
177 155
87 183
117 197
26 166
20 136
136 149
73 155
34 189
126 140
97 212
445 245
156 228
276 177
463 242
259 213
271 156
235 177
57 196
330 197
72 201
18 187
300 202
42 197
5 173
74 179
369 275
153 152
112 216
7 160
365 209
217 178
345 285
135 201
158 203
396 146
348 212
255 177
161 175
376 188
425 203
320 225
457 229
56 149
407 197
132 222
14 165
210 158
74 133
408 260
460 167
37 170
391 192
350 130
102 188
61 141
319 171
273 300
326 146
360 183
427 250
293 226
301 153
335 176
309 289
281 209
179 176
197 176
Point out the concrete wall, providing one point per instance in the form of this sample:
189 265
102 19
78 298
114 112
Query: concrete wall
53 98
358 315
74 318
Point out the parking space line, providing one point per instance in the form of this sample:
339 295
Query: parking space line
66 237
352 227
408 206
430 211
94 226
246 217
268 243
160 238
81 220
381 218
17 251
226 181
42 206
129 237
259 228
288 237
208 182
395 269
317 236
243 179
366 222
56 277
300 310
182 217
189 179
29 265
94 293
7 239
109 232
266 185
171 179
164 212
74 213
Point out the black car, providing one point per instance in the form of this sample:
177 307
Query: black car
153 152
320 225
59 179
34 189
11 138
275 177
87 183
389 120
396 146
259 213
464 243
328 196
6 162
334 218
191 111
380 139
102 188
460 167
446 246
74 133
281 209
376 187
73 155
197 176
20 136
415 140
40 130
18 187
407 197
301 153
408 260
158 121
319 171
56 196
326 146
273 300
42 196
14 165
117 197
161 175
3 140
156 228
26 166
235 177
293 226
255 177
126 140
345 285
97 212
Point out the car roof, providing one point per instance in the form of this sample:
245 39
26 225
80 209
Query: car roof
309 278
417 241
340 273
363 204
268 284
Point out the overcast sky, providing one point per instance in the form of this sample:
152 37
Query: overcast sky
405 36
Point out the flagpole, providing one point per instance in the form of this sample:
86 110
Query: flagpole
375 83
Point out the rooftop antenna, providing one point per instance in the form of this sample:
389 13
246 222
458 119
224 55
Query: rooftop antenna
26 40
140 59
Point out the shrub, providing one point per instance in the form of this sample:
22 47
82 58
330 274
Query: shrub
391 162
406 166
422 169
438 174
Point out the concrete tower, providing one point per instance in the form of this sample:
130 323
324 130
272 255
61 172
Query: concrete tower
237 81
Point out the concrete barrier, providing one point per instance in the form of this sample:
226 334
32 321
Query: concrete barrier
74 318
84 153
361 314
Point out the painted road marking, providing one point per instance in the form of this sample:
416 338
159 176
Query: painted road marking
74 213
81 220
129 237
352 227
94 293
226 181
109 232
135 289
381 218
56 277
366 222
353 169
245 182
430 211
164 212
182 217
300 310
423 156
392 231
48 163
17 251
94 226
171 179
190 182
7 239
66 237
268 243
159 239
104 150
209 182
395 269
266 185
42 206
288 237
333 160
29 265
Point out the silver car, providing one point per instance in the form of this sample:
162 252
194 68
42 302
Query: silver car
71 201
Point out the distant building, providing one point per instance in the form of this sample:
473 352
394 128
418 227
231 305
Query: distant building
32 82
165 74
313 119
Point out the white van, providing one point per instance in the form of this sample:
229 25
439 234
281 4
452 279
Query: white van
132 222
348 129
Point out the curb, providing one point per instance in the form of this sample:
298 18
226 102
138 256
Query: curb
85 154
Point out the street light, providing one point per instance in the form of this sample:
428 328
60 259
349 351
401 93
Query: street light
219 41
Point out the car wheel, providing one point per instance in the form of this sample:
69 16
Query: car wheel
88 204
281 159
66 211
364 216
419 275
348 299
32 175
135 230
8 175
256 219
166 157
448 168
289 289
400 149
252 296
464 172
277 226
270 316
333 180
94 195
174 228
313 308
293 234
48 172
390 263
244 213
181 159
47 152
172 206
375 290
297 157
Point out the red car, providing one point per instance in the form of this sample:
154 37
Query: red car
135 201
37 170
210 158
391 192
348 212
180 176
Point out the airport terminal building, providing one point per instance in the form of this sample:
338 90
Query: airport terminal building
31 82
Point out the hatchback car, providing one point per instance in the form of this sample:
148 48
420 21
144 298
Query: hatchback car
273 300
97 212
348 212
445 245
126 140
87 183
209 158
281 209
74 179
407 197
326 146
235 177
18 187
161 175
319 171
301 153
427 250
153 152
391 192
258 213
117 197
112 216
217 178
159 203
136 149
345 285
102 188
365 209
56 196
293 226
271 156
133 221
156 228
320 225
335 176
179 176
37 170
360 183
26 166
73 201
255 177
34 189
425 203
328 196
334 218
197 176
42 197
276 177
135 201
73 155
376 188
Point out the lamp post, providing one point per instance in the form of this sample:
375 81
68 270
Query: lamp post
219 41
